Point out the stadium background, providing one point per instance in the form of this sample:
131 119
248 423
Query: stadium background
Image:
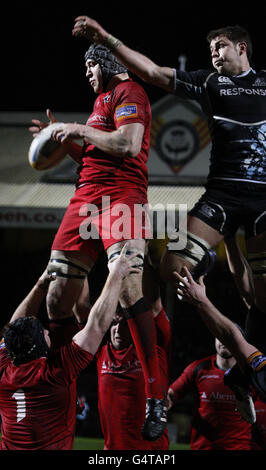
43 67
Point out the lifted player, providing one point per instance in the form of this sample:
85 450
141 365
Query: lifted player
112 178
233 97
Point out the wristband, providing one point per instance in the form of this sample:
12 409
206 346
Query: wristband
112 43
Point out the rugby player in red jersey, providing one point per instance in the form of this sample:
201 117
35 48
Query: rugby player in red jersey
251 361
215 424
37 386
121 388
112 178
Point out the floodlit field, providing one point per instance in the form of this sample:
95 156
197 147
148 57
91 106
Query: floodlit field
83 443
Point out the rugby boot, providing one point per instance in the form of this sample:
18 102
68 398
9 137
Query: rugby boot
205 265
237 382
155 419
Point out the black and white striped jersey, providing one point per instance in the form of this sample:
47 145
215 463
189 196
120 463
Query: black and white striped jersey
235 107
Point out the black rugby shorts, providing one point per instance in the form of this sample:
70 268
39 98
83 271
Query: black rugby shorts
228 205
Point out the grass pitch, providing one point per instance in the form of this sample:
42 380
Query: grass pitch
83 443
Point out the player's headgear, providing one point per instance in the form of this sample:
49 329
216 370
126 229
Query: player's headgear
108 63
25 341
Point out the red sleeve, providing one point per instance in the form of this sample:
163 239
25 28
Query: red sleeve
185 383
72 359
131 104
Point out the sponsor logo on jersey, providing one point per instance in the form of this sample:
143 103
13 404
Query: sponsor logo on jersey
125 111
97 119
225 80
106 99
207 210
242 91
260 82
110 367
218 396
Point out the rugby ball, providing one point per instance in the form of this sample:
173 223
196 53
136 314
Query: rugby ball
41 150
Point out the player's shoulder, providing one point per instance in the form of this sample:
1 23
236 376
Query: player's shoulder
203 363
197 77
130 86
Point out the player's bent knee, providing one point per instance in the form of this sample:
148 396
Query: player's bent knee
70 276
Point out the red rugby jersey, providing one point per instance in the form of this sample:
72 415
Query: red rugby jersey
38 400
122 396
127 103
216 425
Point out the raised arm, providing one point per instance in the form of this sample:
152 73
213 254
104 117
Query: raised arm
30 305
220 326
102 312
136 62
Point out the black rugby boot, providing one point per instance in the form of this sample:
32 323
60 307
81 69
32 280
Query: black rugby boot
155 420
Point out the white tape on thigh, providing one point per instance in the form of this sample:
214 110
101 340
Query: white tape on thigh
195 249
67 267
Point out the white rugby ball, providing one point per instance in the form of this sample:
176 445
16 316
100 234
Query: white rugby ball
42 147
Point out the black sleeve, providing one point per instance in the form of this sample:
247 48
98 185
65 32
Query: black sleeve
191 85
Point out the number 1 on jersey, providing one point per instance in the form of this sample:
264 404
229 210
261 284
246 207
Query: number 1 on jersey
20 398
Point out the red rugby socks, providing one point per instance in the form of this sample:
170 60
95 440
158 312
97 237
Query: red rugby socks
142 328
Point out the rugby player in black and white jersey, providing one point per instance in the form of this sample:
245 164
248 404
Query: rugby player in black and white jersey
233 97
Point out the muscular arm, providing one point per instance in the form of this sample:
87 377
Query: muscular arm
136 62
145 68
125 141
220 326
102 312
183 385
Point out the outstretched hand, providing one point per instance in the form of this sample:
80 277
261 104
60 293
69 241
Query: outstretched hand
190 291
88 28
40 125
123 265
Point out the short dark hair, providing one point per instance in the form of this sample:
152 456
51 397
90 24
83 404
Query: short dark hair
235 34
24 340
